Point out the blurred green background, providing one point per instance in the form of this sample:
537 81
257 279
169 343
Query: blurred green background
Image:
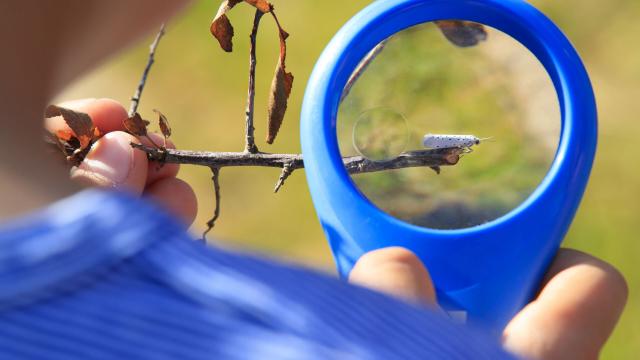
202 90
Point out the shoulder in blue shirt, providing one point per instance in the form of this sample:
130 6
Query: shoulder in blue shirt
105 276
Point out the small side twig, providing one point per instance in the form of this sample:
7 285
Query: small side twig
287 170
250 143
362 67
216 213
135 100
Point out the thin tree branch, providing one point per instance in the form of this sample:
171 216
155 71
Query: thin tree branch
353 164
250 144
362 67
275 18
216 213
135 100
434 158
459 33
286 172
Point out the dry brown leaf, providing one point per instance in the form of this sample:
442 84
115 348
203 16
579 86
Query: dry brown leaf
462 33
164 124
59 143
221 27
80 124
64 135
135 125
262 5
280 91
280 88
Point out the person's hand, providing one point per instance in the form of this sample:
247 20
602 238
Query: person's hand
113 163
577 308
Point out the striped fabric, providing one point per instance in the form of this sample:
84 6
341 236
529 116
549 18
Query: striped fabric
104 276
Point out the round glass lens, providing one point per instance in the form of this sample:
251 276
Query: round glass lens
448 125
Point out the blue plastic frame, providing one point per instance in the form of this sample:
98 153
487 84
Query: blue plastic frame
492 270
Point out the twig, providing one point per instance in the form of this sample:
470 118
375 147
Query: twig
362 67
353 164
409 159
286 172
288 162
216 214
135 100
250 144
275 18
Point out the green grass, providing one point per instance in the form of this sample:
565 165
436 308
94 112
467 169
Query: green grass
202 91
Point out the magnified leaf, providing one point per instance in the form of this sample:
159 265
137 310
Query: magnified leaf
462 33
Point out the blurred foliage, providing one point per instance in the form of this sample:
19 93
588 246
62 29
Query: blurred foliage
202 91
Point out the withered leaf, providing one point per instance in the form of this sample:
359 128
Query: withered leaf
63 135
164 124
221 27
135 125
69 149
262 5
80 124
280 89
462 33
54 140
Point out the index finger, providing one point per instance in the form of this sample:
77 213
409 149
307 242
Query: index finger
108 115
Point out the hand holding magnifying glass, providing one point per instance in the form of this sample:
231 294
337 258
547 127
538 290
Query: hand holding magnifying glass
579 302
487 270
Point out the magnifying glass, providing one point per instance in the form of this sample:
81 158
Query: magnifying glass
489 94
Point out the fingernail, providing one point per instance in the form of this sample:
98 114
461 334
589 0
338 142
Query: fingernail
108 163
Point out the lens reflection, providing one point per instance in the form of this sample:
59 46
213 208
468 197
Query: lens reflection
380 134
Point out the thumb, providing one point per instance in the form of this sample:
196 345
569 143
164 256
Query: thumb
397 272
113 163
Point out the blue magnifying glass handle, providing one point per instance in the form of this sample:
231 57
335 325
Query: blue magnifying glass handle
488 272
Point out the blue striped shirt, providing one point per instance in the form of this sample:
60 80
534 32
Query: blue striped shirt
104 276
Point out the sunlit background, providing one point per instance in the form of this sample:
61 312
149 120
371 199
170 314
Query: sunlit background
202 90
